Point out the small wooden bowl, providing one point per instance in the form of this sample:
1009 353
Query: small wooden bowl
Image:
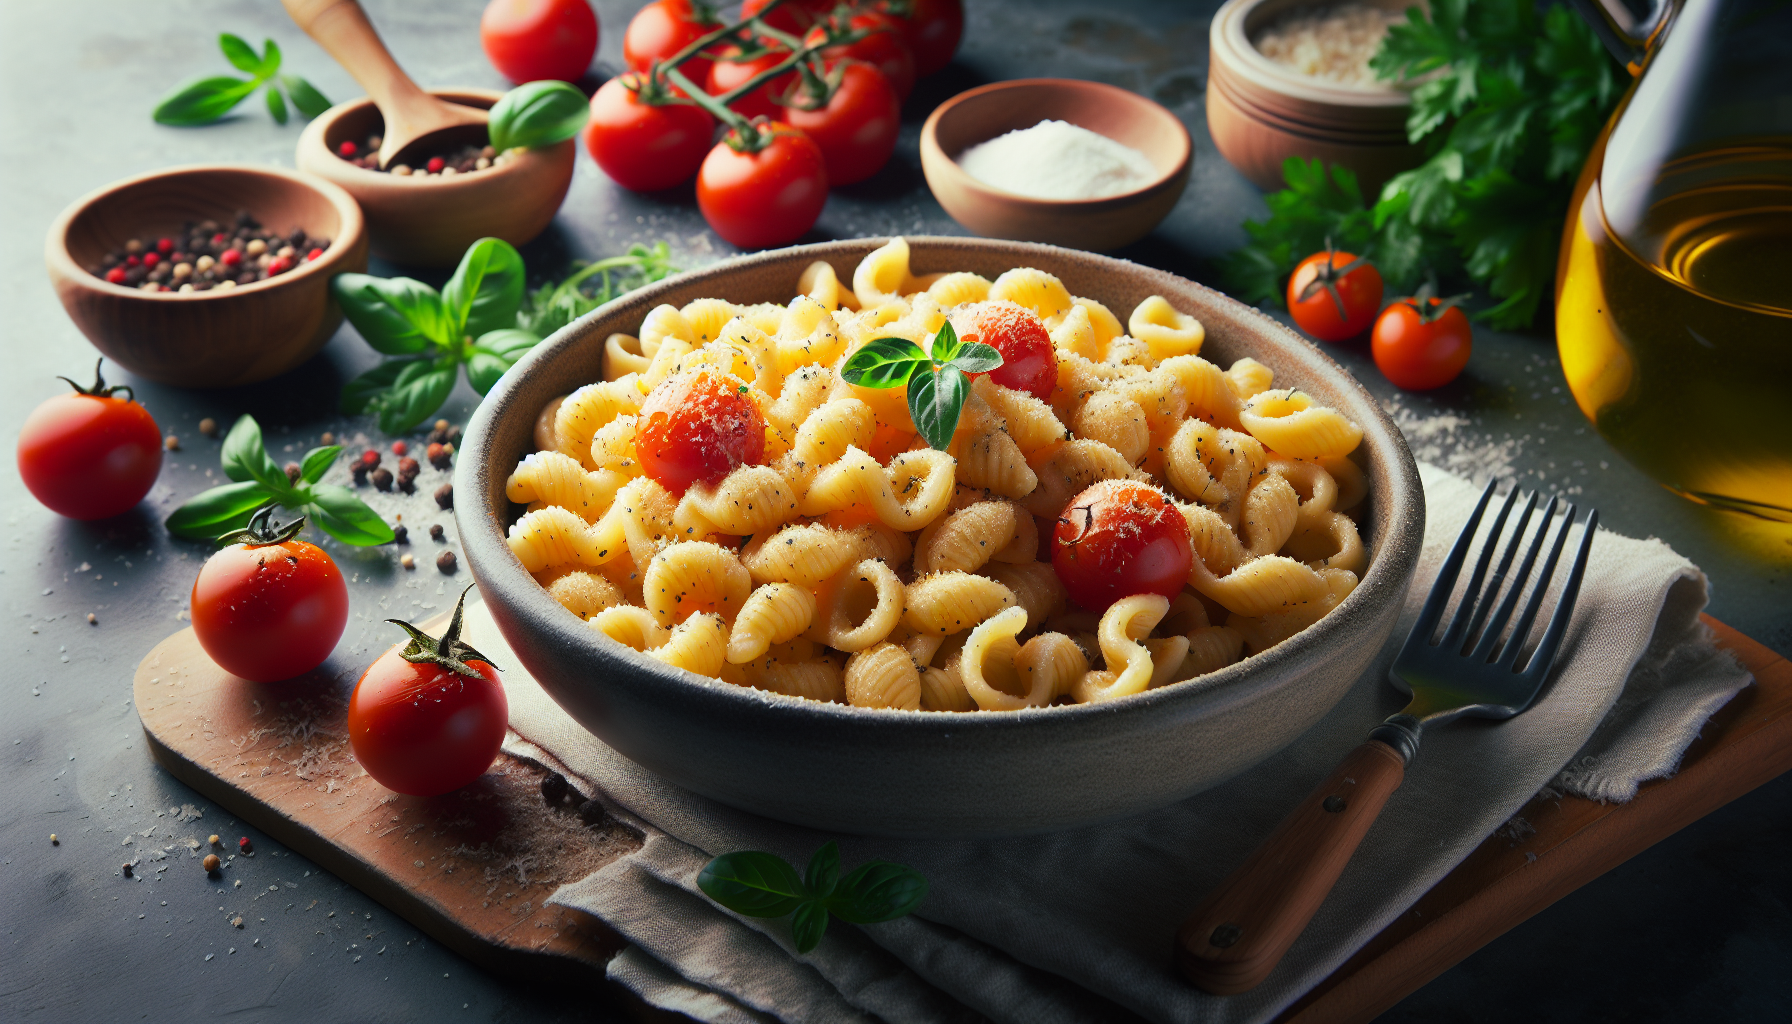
430 221
217 338
1260 112
981 114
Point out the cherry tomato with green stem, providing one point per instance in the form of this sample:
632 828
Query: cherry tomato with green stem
428 717
765 190
1119 538
698 427
1334 295
529 40
1422 342
857 124
1029 362
269 606
731 69
935 28
885 47
663 28
792 16
90 454
642 145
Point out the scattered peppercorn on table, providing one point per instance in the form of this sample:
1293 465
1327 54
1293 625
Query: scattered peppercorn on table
108 901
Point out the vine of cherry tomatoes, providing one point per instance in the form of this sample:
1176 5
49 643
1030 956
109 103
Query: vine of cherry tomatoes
1419 342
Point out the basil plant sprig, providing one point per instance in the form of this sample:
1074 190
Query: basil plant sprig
935 397
258 481
758 884
471 322
537 114
206 99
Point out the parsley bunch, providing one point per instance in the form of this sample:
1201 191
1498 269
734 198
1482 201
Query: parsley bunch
1508 103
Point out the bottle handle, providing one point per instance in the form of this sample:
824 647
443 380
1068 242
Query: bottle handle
1627 36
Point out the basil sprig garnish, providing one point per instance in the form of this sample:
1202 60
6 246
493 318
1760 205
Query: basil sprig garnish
537 114
758 884
206 99
258 481
935 397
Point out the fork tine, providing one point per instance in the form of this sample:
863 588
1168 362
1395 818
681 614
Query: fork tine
1446 577
1490 636
1460 625
1475 604
1508 655
1545 655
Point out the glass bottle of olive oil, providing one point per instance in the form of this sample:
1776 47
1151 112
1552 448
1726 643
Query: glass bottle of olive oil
1674 291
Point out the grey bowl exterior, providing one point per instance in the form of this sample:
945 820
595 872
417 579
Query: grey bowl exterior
877 772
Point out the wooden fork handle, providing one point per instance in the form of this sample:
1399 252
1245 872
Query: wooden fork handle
1234 939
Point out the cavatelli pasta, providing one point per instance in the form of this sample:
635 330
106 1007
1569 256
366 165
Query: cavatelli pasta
1052 662
773 613
1289 422
1261 586
1129 665
824 438
1031 422
695 576
706 318
804 554
986 666
858 607
957 288
1210 648
1271 511
623 356
883 275
819 282
559 479
697 644
1074 334
749 500
613 447
1035 586
883 676
1205 387
1116 421
990 459
1168 333
1032 289
630 626
590 407
583 593
665 322
1065 470
908 495
1248 378
942 689
1106 324
811 680
950 602
969 538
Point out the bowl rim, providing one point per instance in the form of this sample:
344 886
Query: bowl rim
948 164
313 138
354 230
483 530
1227 37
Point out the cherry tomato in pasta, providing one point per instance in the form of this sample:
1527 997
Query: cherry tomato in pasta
1119 538
1028 362
696 428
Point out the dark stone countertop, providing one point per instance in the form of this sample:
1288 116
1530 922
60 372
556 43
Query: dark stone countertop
1697 927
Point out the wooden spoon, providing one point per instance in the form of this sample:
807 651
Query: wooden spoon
411 115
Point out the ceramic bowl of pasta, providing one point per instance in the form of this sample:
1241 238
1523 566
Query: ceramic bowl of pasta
938 536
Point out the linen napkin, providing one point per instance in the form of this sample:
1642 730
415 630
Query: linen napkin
1077 925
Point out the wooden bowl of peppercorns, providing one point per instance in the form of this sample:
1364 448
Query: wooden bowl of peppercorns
428 215
207 276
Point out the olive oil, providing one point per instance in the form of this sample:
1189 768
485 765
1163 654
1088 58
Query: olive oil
1676 338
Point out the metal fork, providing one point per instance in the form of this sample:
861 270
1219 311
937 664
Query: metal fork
1238 935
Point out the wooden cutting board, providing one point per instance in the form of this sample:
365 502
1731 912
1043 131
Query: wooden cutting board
473 869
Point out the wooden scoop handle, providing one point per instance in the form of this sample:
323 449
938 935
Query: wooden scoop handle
1234 939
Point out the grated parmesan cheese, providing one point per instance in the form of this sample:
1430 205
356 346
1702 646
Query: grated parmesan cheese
1333 43
1058 160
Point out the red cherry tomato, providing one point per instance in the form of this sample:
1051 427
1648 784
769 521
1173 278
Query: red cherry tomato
642 146
935 28
696 428
1331 300
1121 538
857 129
89 455
425 728
1028 362
725 74
886 48
1417 350
270 606
661 29
765 198
793 16
529 40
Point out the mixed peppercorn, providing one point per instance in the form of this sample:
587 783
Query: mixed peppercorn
463 160
207 254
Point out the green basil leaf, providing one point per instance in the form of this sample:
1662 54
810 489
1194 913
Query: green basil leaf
421 388
245 457
305 96
808 925
510 343
484 369
276 104
216 512
316 461
934 401
878 891
884 363
824 871
203 100
537 114
270 59
753 883
945 343
976 357
338 512
240 54
486 289
397 316
359 392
